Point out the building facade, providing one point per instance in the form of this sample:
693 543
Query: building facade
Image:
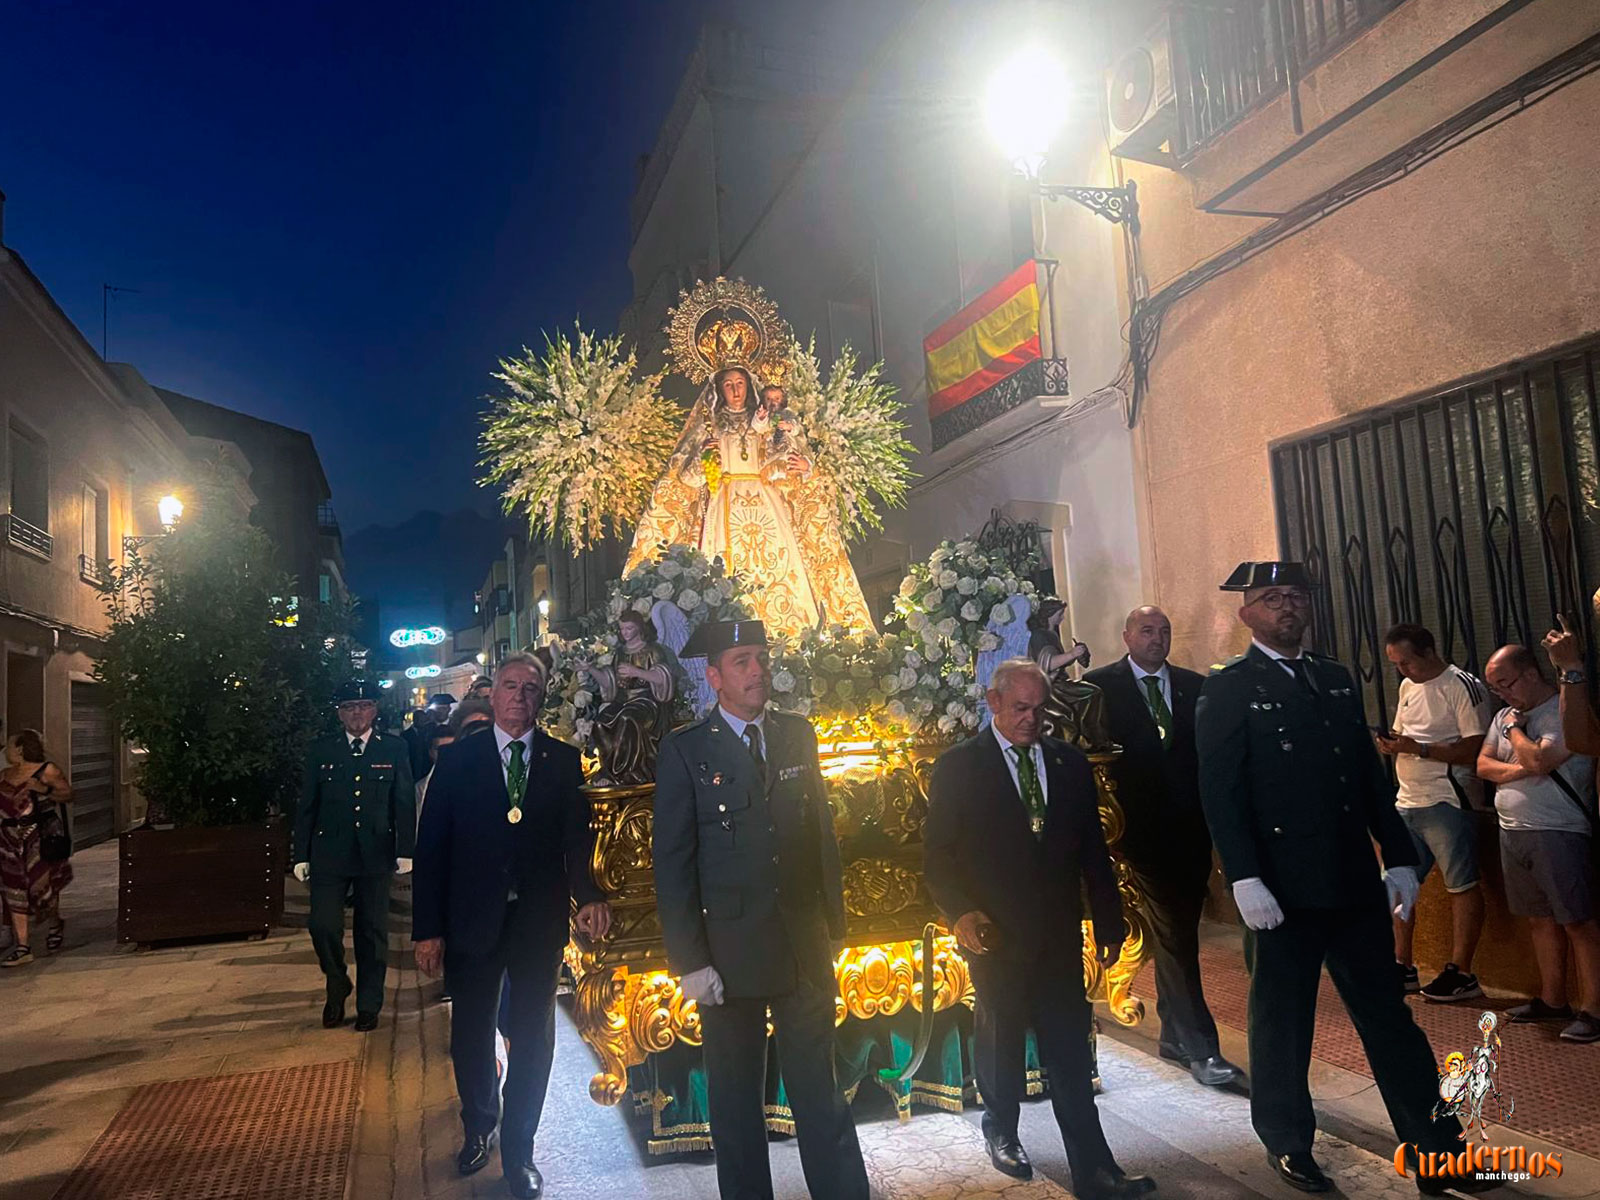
1367 321
90 451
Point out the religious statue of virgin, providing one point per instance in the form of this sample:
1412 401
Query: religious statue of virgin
741 484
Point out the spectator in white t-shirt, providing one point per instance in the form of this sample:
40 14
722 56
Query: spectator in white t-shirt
1545 797
1437 732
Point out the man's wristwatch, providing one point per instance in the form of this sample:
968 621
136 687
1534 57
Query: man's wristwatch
1573 675
1508 726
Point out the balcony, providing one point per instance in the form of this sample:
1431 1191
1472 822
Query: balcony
23 536
1267 105
92 570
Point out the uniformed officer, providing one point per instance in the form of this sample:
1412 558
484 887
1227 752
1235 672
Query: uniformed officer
1295 795
748 892
354 829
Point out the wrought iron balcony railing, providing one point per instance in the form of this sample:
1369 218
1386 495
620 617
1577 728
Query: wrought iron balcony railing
1228 61
28 537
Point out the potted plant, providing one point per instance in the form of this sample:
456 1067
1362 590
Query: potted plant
218 674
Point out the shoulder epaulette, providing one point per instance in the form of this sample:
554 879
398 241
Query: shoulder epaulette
1217 668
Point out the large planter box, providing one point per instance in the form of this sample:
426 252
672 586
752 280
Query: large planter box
194 883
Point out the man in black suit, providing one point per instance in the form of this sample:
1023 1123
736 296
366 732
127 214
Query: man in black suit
1013 831
1295 795
748 889
1150 711
503 851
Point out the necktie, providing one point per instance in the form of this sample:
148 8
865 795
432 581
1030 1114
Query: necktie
1028 785
1158 707
356 747
516 776
752 738
1301 672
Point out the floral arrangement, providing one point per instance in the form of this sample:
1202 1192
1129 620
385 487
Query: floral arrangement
575 439
699 586
948 602
851 424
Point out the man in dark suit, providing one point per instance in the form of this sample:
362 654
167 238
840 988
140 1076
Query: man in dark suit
502 853
1295 795
1013 833
1150 712
748 890
353 831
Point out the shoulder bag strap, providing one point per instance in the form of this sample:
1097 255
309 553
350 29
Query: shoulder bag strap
1571 793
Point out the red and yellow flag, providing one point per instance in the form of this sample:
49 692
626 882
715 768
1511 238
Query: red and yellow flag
986 341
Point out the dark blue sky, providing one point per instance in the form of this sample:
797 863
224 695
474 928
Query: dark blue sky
339 215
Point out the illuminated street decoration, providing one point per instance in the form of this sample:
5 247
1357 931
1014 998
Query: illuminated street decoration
427 672
386 683
432 635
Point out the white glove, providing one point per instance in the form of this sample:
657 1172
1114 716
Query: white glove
302 871
704 987
1402 884
402 866
1257 906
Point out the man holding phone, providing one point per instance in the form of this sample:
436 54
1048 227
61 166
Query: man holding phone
1439 726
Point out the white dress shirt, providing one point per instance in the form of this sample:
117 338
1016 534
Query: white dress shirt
1164 675
504 740
1009 752
738 726
350 742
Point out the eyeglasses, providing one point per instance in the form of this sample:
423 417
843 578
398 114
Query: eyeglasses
1274 601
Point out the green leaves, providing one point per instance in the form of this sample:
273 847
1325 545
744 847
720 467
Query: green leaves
575 440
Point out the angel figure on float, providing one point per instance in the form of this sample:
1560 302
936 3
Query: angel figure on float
637 692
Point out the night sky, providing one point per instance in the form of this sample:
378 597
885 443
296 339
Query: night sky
339 215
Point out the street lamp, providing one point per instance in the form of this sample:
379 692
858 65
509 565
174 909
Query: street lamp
1025 106
169 508
544 607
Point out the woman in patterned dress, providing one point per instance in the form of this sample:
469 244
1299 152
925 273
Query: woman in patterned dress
31 885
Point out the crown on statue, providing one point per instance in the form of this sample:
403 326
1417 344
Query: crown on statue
727 323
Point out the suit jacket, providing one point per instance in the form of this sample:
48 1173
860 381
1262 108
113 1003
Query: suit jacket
1158 785
1293 788
980 853
356 815
470 858
747 877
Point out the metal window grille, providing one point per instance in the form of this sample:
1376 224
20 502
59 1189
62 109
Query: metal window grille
1472 512
22 534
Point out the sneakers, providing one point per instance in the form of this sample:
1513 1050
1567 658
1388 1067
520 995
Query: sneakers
1409 976
1537 1010
1452 983
1585 1027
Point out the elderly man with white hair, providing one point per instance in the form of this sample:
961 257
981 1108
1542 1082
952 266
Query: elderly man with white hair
1013 828
502 853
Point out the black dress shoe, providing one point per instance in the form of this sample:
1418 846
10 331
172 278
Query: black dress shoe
1214 1071
1300 1170
366 1022
1006 1152
333 1013
1111 1183
524 1181
474 1155
1172 1054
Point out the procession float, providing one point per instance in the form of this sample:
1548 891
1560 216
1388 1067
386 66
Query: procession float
743 507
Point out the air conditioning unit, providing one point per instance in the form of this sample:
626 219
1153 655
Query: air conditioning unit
1140 100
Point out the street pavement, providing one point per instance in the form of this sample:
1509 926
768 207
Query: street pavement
84 1029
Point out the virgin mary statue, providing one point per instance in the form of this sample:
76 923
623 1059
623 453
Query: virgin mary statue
742 484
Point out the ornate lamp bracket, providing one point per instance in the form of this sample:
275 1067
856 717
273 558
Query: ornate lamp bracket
1119 205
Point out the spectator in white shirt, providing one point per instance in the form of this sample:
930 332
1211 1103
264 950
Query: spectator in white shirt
1437 732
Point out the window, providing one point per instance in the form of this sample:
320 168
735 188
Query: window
96 544
325 589
1468 512
30 479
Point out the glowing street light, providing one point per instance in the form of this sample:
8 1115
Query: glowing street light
544 606
1025 106
169 508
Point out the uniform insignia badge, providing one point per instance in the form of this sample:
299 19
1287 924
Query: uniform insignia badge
790 773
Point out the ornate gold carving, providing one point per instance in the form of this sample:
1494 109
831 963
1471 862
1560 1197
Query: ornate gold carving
875 888
727 323
1113 983
625 1017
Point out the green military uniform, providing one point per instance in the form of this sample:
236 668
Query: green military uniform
748 882
1295 795
357 815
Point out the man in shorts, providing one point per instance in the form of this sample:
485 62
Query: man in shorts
1438 730
1545 797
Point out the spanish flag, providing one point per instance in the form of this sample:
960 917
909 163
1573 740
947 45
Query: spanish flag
989 339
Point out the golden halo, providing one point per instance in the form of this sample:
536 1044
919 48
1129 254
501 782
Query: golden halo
727 323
